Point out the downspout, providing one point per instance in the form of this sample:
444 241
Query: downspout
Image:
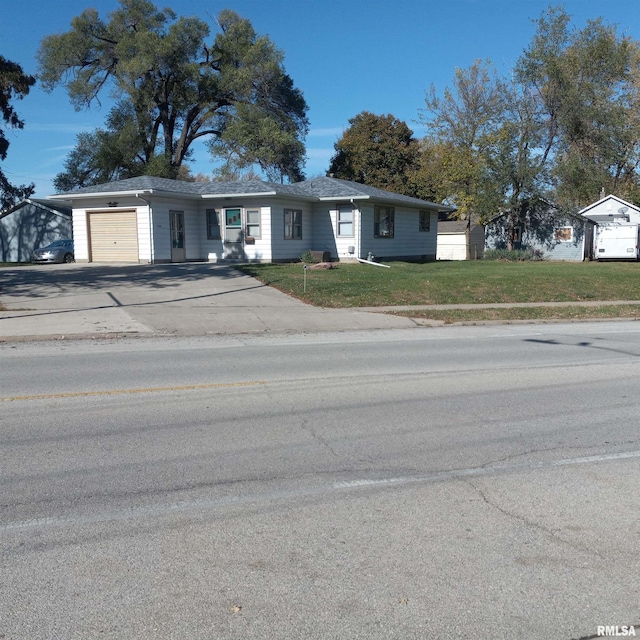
150 227
358 228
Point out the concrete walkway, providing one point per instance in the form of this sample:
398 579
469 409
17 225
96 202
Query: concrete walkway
54 301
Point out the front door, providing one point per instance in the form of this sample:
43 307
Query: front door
233 233
178 253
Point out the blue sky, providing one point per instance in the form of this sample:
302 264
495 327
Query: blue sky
346 56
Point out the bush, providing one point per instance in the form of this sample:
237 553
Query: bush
308 258
513 255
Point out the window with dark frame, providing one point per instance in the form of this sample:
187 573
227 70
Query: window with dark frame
213 224
292 224
383 222
345 220
425 221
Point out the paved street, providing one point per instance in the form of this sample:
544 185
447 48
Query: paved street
476 482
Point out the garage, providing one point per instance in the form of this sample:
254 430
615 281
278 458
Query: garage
113 236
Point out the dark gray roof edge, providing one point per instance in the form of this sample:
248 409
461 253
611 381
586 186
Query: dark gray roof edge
51 206
456 226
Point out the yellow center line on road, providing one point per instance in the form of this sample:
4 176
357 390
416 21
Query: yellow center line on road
81 394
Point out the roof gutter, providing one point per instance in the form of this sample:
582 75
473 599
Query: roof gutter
119 194
210 196
100 194
336 198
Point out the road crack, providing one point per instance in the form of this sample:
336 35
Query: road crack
309 429
531 523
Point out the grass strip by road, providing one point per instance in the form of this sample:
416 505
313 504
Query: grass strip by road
472 282
450 316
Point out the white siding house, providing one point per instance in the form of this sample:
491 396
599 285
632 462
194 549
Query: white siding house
155 220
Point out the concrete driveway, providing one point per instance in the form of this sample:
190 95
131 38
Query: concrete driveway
171 299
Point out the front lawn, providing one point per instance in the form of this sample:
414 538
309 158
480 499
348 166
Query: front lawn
473 282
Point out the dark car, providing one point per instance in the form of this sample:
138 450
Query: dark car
58 251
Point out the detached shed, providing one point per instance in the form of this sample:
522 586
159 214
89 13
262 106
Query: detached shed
31 224
602 217
459 241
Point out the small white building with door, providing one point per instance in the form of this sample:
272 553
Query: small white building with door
156 220
459 240
616 231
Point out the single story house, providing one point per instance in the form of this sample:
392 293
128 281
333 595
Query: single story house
31 224
459 240
156 220
552 235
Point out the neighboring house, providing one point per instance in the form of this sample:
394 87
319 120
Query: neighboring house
552 235
157 220
607 212
457 240
31 224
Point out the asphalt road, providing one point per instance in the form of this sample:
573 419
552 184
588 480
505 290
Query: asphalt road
470 482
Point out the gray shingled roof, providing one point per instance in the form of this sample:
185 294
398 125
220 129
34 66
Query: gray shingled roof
335 188
315 189
141 183
455 226
452 226
51 205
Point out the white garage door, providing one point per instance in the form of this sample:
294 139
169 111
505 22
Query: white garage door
113 236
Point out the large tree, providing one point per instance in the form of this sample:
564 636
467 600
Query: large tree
585 84
379 151
562 127
176 87
14 83
463 128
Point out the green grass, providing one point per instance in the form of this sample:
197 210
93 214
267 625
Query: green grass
473 282
449 316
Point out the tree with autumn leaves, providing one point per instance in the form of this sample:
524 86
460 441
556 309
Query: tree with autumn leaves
562 127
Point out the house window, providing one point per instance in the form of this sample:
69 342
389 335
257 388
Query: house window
213 224
517 234
233 218
564 234
345 220
253 223
383 219
425 221
292 224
